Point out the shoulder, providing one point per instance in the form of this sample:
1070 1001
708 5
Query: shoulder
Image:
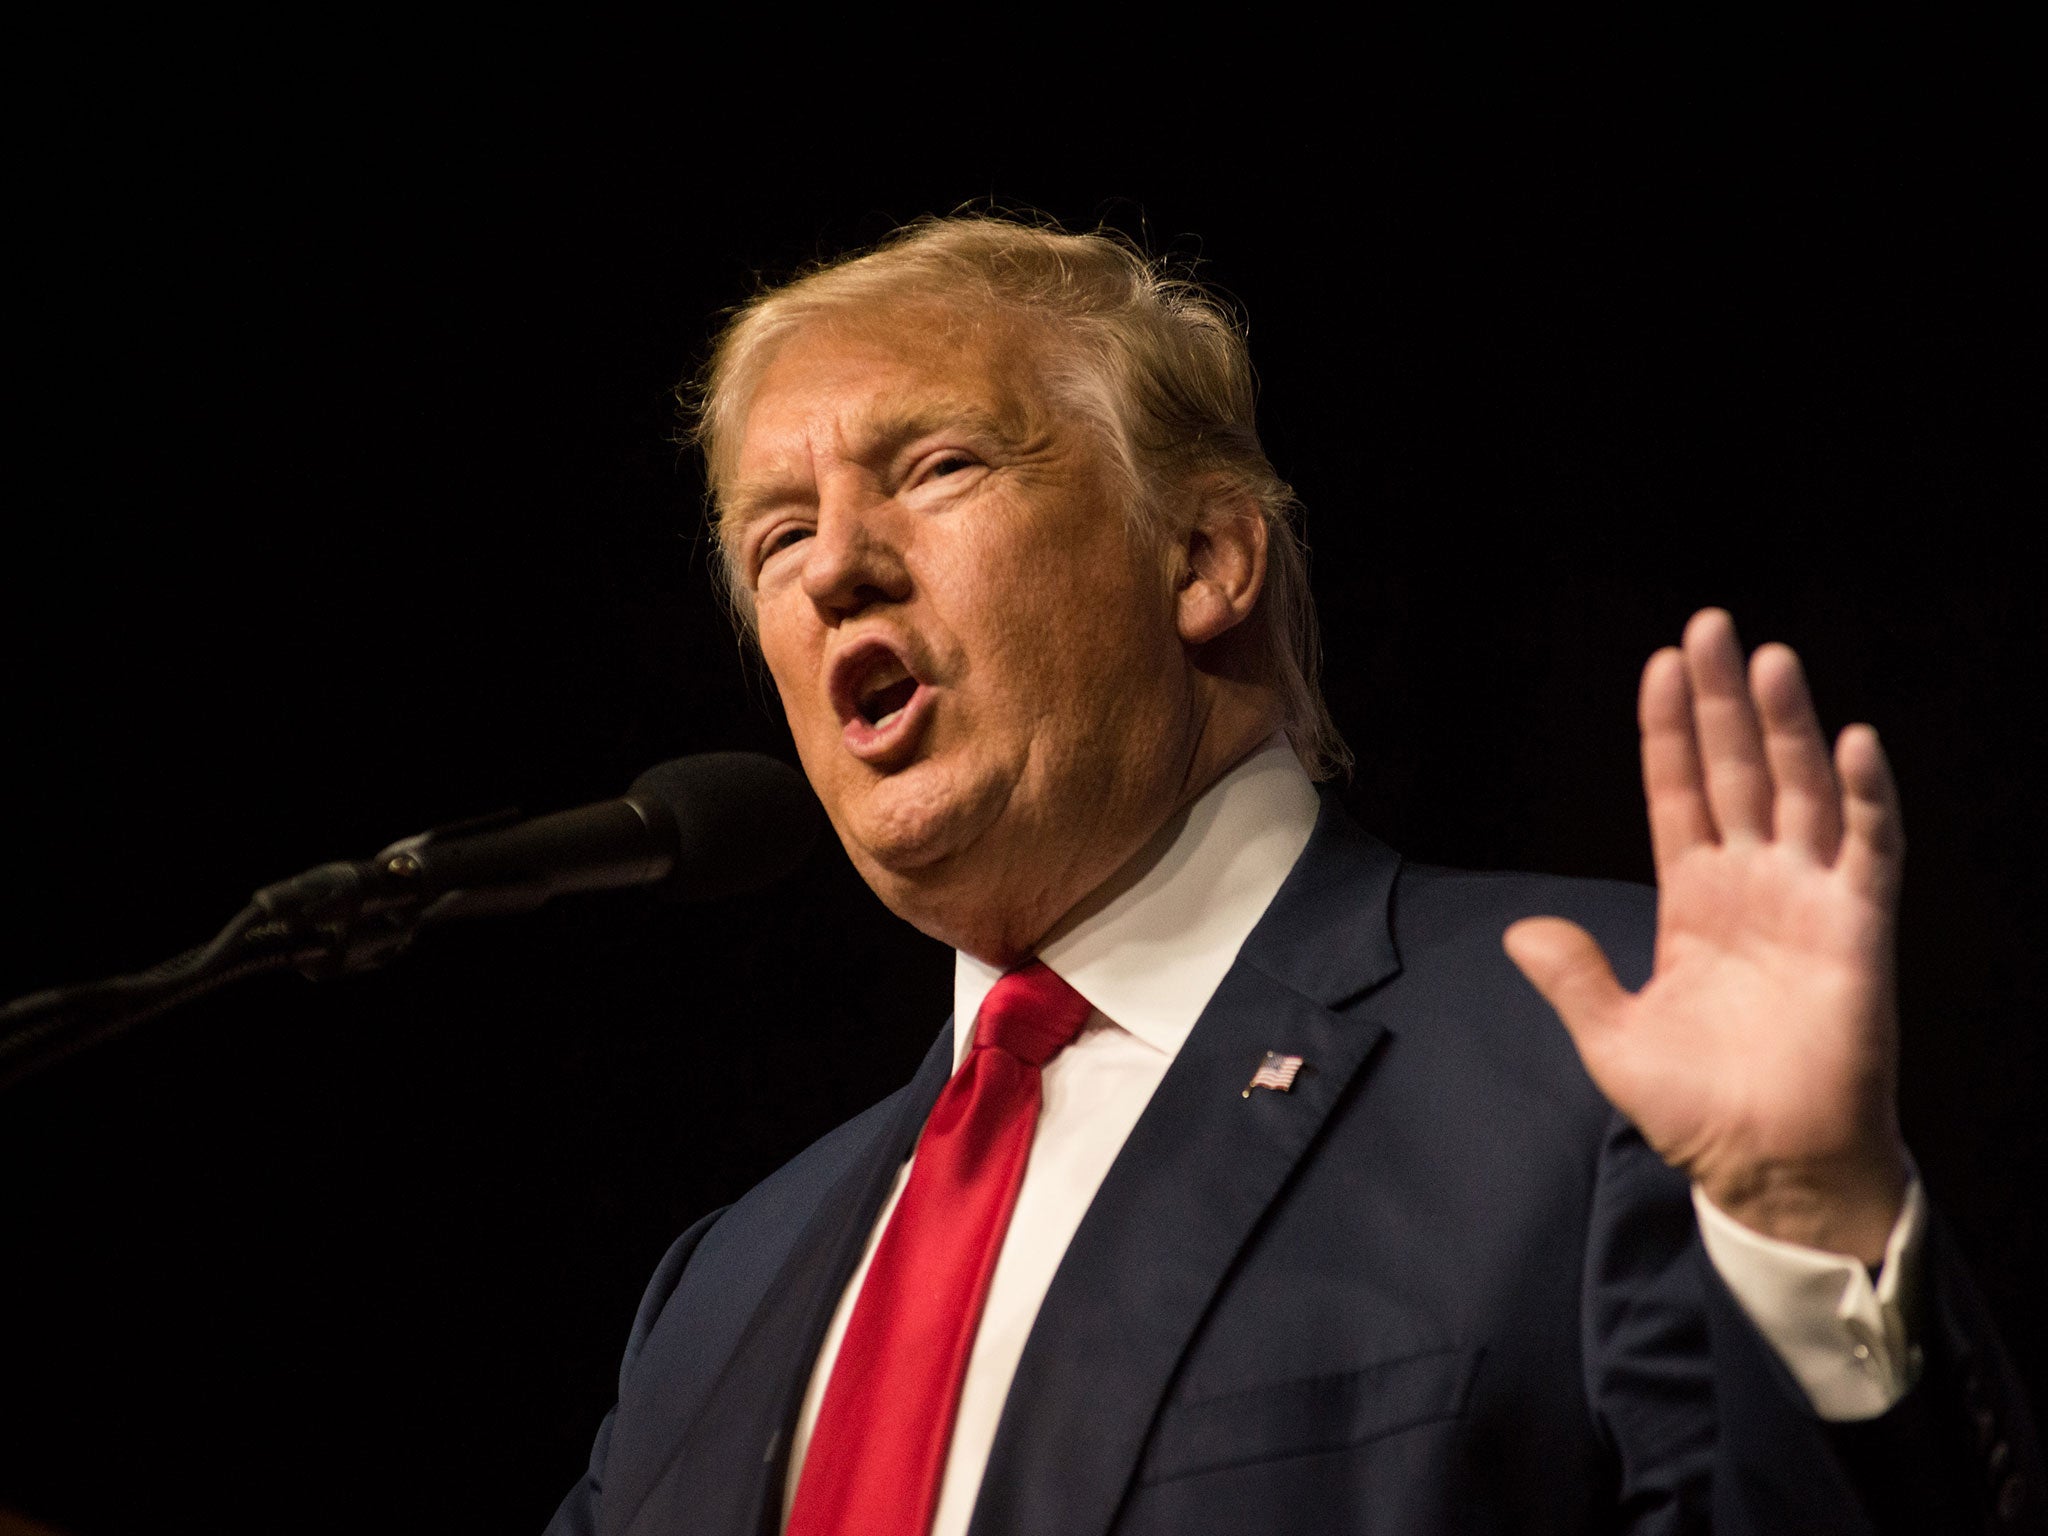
719 1265
1416 949
1438 911
698 1308
1468 1021
758 1227
751 1235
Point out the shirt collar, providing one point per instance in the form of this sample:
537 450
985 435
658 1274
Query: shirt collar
1150 948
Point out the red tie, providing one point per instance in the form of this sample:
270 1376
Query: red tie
879 1448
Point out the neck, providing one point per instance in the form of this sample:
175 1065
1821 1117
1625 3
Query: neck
1232 722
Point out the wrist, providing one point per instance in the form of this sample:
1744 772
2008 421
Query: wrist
1845 1205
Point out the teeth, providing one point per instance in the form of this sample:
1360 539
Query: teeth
879 724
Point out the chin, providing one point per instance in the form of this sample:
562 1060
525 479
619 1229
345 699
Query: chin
910 825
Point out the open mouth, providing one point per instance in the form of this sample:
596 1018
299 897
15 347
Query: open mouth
879 699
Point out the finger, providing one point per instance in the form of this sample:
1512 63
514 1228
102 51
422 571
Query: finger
1731 743
1806 806
1672 787
1565 964
1874 836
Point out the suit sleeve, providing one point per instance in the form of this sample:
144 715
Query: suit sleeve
577 1515
1958 1453
1711 1432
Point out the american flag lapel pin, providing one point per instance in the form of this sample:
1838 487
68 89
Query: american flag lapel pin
1276 1071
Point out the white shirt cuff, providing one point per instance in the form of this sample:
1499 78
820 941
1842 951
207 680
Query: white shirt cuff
1842 1337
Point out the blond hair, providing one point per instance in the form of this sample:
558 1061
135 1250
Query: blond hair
1154 360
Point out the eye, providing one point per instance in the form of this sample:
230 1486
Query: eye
945 464
778 540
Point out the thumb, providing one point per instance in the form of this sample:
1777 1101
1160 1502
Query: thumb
1565 964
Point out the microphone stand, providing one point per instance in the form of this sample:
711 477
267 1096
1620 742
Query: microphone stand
699 827
335 919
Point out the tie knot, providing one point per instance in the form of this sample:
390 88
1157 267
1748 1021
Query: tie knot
1031 1014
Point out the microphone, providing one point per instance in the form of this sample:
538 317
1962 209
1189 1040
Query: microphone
697 828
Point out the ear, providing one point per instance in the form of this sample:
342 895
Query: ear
1222 567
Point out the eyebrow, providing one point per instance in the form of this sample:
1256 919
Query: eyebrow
880 430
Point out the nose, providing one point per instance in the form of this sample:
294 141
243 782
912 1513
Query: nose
855 559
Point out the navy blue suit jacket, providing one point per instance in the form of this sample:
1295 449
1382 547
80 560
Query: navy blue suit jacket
1440 1286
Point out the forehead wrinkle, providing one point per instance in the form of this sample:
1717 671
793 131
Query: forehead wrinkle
973 388
884 426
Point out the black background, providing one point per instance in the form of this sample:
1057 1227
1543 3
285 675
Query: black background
345 503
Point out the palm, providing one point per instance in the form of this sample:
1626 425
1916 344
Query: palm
1749 941
1760 1057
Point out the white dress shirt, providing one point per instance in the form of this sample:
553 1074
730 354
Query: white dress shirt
1148 952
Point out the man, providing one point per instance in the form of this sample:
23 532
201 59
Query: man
1252 1187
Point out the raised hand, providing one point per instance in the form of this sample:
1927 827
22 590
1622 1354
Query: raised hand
1762 1055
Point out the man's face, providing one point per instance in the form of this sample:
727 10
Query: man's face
979 662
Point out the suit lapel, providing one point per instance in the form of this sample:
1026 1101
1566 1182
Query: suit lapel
727 1473
1200 1169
